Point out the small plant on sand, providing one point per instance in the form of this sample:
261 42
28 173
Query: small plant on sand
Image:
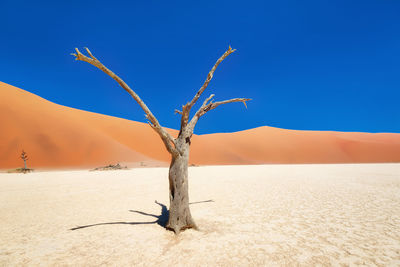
25 169
180 217
24 157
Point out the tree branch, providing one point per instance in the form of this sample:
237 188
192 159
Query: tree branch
178 111
208 105
165 136
216 104
186 108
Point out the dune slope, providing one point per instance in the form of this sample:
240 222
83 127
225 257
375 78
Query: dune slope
56 136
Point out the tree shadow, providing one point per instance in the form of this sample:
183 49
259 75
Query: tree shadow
198 202
161 219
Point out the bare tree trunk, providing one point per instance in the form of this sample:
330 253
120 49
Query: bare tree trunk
180 217
25 164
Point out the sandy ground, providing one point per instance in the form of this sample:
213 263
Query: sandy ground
248 216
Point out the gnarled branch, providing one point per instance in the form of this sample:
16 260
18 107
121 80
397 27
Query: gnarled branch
186 108
208 105
165 136
216 104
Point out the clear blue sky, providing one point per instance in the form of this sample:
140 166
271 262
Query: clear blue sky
311 65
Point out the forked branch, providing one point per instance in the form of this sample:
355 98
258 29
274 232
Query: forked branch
186 108
208 105
165 136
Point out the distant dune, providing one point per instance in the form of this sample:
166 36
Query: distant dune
56 136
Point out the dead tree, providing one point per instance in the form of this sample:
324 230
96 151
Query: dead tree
180 217
24 157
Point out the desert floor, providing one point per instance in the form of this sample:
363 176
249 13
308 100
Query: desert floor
248 216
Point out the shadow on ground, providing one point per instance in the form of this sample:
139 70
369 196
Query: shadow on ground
161 219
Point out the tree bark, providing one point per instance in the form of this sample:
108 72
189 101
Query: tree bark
180 217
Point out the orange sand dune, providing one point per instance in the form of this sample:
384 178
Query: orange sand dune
56 136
